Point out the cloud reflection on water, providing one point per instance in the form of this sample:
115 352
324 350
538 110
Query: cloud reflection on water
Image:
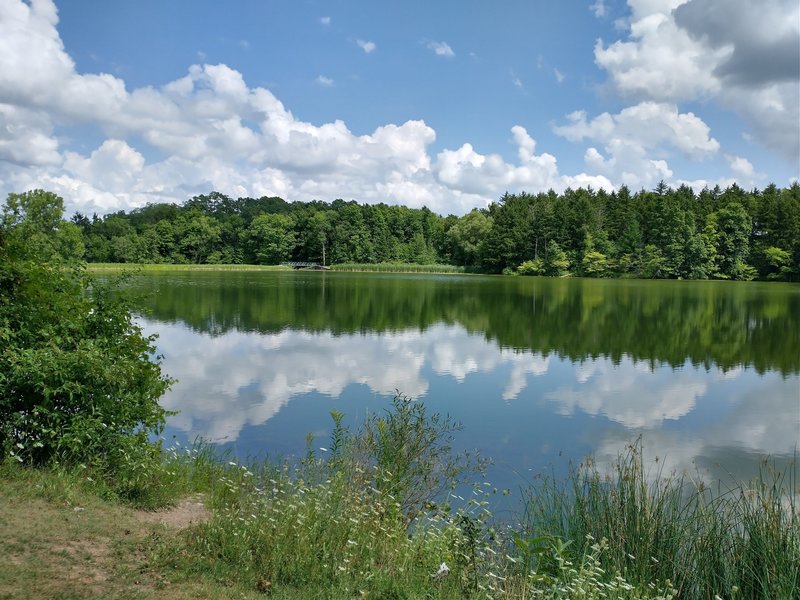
241 379
630 393
763 421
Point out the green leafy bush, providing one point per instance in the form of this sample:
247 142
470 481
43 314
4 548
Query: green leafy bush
79 382
531 267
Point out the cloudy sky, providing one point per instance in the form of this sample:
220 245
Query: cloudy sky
446 104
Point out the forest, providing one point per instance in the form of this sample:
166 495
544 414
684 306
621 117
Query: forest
661 233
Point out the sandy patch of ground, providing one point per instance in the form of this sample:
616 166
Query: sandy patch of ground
189 511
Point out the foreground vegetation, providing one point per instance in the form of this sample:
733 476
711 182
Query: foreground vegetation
362 520
380 512
59 540
662 233
343 525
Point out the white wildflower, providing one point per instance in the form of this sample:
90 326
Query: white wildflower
442 572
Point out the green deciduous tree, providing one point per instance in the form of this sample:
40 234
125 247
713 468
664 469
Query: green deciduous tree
271 238
467 237
653 263
594 263
351 238
556 262
198 235
33 228
732 225
778 262
319 236
716 233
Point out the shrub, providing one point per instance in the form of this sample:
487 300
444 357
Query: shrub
412 453
341 526
78 380
531 267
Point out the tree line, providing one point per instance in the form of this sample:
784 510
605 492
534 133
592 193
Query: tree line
661 233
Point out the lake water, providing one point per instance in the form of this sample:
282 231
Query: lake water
539 371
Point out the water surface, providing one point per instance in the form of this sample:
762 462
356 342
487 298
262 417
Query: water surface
539 371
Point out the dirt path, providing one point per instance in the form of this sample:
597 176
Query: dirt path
189 511
60 543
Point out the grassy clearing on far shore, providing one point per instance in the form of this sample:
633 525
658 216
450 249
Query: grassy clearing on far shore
345 267
164 267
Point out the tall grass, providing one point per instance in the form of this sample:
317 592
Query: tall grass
363 519
397 268
742 541
376 515
356 519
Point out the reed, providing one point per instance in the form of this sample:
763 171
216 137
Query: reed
360 518
739 541
397 268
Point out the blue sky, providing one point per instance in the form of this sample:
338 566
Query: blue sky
446 104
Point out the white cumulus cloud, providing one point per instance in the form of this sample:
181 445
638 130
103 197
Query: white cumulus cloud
467 170
213 131
366 46
441 49
741 54
741 166
210 130
637 141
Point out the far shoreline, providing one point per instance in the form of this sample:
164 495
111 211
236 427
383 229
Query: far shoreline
341 268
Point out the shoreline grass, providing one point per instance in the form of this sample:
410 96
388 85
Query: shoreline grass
361 518
740 540
336 525
439 269
311 532
169 267
618 533
435 269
